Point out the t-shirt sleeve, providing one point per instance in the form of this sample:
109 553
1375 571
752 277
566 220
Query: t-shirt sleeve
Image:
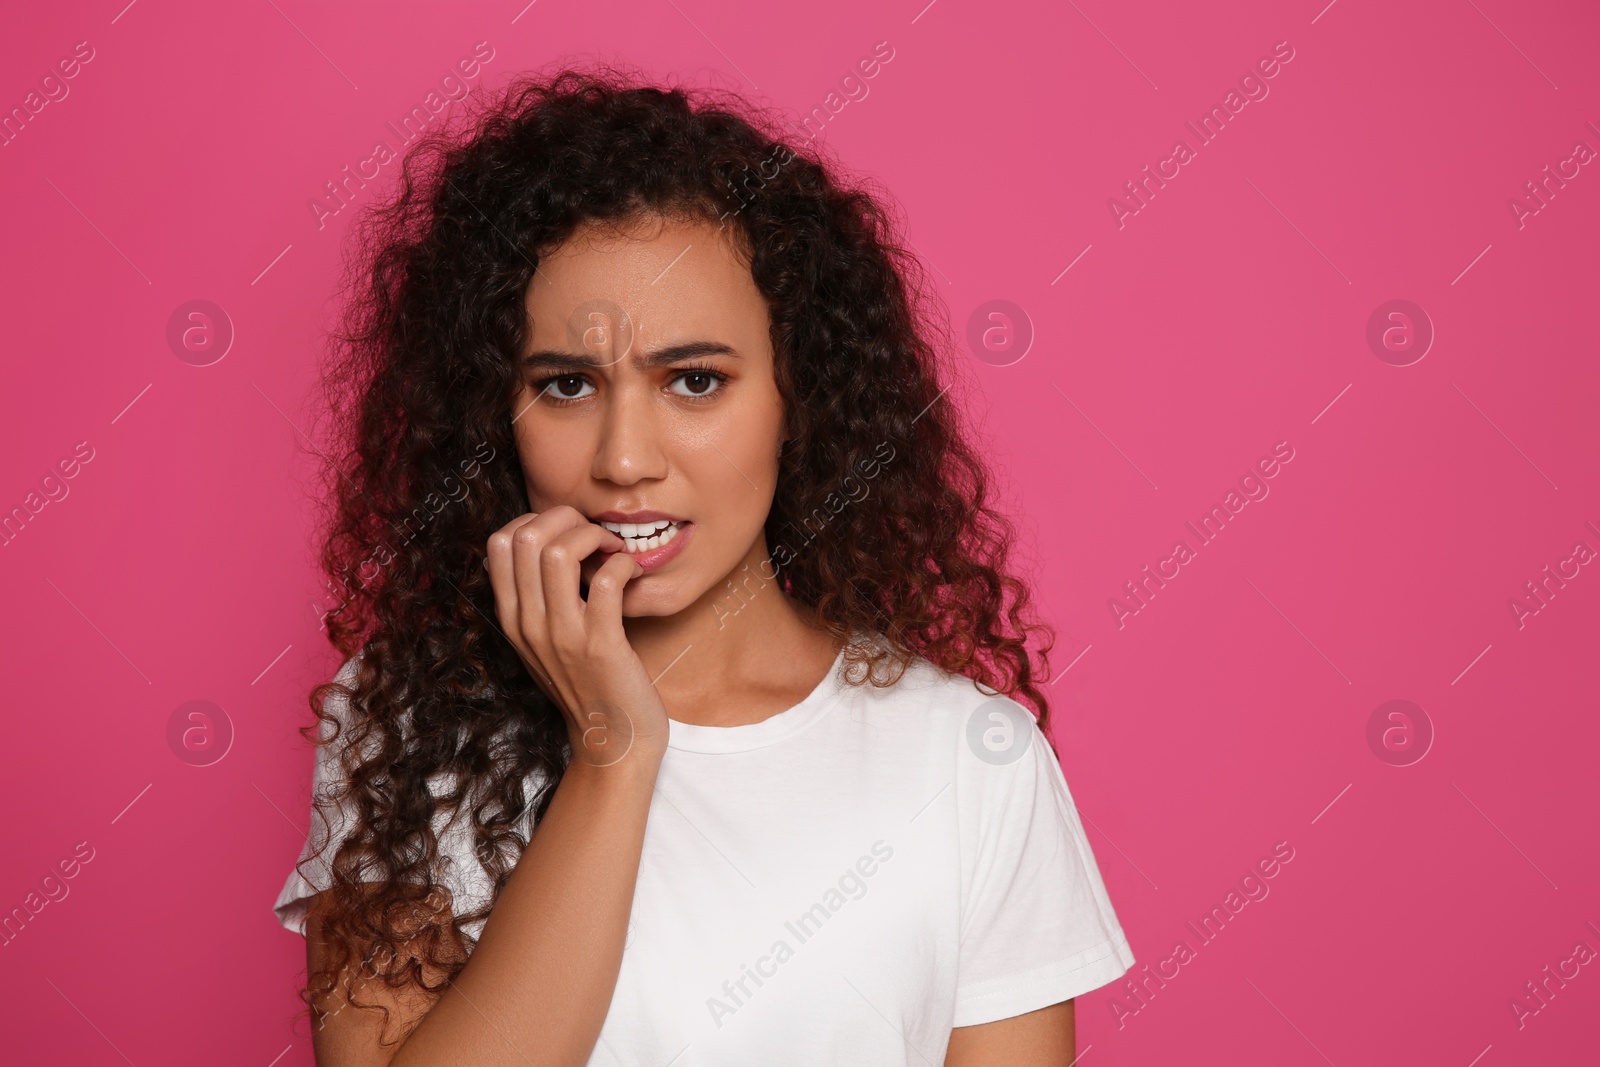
1037 926
332 816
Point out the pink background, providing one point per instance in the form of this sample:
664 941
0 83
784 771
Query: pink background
1230 713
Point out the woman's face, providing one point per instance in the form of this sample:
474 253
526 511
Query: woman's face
648 386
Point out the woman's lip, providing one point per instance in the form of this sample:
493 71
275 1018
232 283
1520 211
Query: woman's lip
636 517
657 558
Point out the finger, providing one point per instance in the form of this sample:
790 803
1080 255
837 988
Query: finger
502 579
528 543
603 614
502 574
560 562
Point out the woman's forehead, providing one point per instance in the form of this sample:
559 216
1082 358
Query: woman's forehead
673 279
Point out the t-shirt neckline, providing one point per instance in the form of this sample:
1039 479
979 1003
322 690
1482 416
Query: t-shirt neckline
690 737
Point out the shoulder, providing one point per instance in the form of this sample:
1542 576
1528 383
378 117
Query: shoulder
336 702
459 866
950 712
355 734
928 689
356 719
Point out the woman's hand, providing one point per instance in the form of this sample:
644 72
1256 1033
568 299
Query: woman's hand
577 650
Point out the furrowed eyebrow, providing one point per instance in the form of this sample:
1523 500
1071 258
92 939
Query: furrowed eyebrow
552 359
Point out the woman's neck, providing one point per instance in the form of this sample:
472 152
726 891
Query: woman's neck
743 652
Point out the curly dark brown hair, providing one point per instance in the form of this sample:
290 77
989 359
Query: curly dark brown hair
419 390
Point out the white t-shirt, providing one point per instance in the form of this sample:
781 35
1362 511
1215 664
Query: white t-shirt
843 882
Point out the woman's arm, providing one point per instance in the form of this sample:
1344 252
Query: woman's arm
1043 1038
537 986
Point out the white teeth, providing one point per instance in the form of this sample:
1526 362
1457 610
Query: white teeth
633 529
632 540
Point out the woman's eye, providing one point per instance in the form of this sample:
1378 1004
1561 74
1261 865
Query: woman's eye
699 383
695 385
565 388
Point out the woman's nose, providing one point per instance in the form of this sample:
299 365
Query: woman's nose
629 448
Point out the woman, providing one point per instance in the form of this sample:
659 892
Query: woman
657 536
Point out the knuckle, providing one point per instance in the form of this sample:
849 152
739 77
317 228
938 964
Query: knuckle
503 534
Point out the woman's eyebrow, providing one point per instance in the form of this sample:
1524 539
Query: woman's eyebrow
557 360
